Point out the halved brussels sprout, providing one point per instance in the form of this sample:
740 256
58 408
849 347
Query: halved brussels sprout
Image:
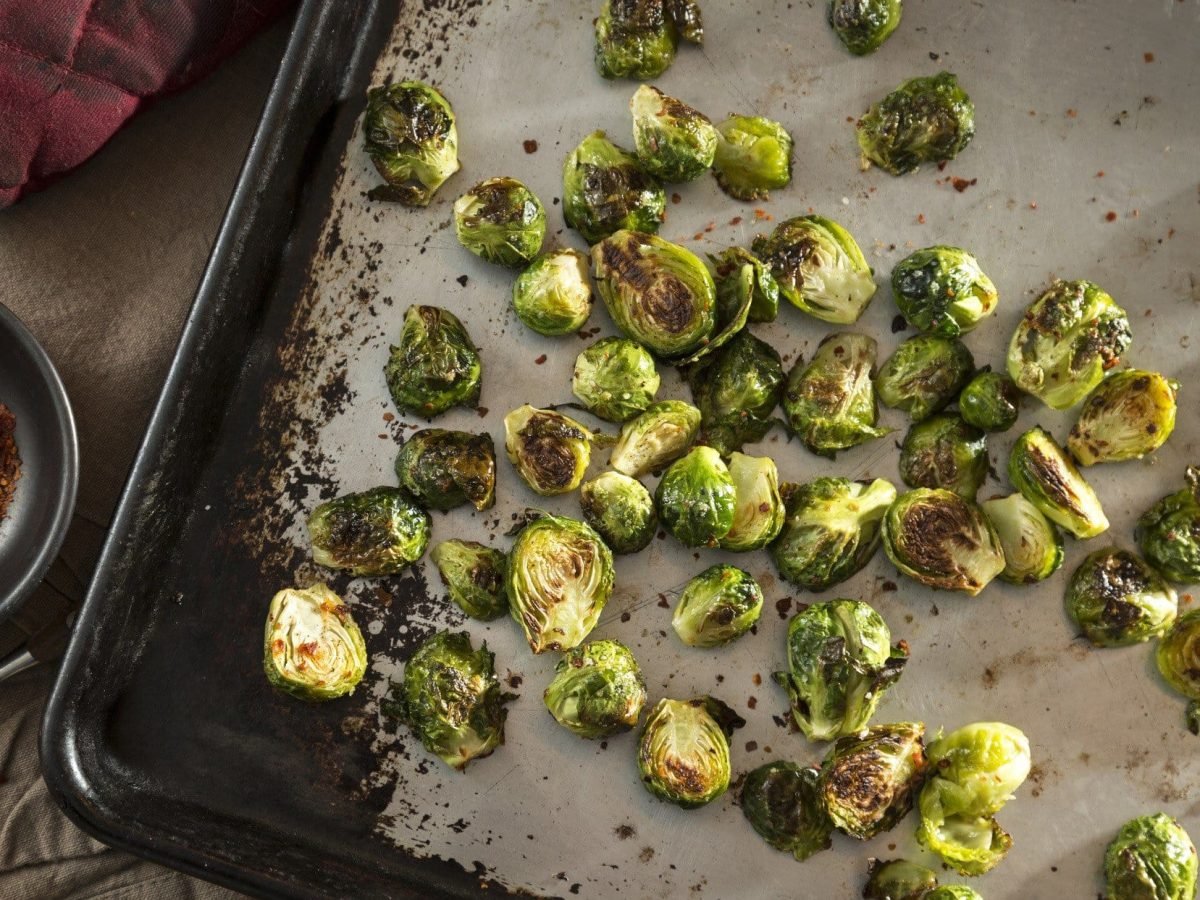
831 530
560 575
925 119
474 577
376 532
658 293
550 451
621 510
840 663
717 606
991 401
312 649
737 389
1067 339
410 134
954 892
863 25
869 779
781 802
1178 655
738 272
819 267
973 773
1040 470
942 290
615 378
754 156
501 220
1168 533
635 38
597 691
674 142
898 879
1129 414
697 498
945 452
1151 858
758 508
683 753
940 539
444 469
1033 547
658 436
553 296
605 190
830 403
435 366
924 374
1117 600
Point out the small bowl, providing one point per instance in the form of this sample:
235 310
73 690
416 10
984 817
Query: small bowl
33 531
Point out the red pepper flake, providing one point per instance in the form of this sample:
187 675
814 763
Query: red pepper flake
942 165
698 236
1170 233
1148 57
1033 204
1072 113
388 417
1136 214
1148 313
751 746
1186 598
531 146
760 214
1110 216
752 703
663 601
920 218
710 227
1100 174
757 679
1033 112
383 437
675 198
961 184
736 220
481 411
541 359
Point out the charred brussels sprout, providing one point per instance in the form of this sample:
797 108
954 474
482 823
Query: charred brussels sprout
435 366
863 25
1151 858
635 38
1033 547
1117 600
973 773
658 293
1178 655
688 19
1168 533
924 374
1040 470
621 510
990 401
658 436
615 378
697 498
375 532
954 892
758 508
754 157
781 802
451 699
500 220
830 403
550 451
1067 339
898 879
410 135
945 452
717 606
819 267
444 469
554 296
926 119
605 190
737 390
683 753
942 540
312 649
597 691
674 142
840 662
830 531
869 779
474 577
942 290
1128 415
740 272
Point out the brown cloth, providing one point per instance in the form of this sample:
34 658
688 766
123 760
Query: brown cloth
102 269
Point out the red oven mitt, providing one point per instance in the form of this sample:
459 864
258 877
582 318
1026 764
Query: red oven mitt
72 72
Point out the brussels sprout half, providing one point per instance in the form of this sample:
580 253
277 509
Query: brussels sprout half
597 691
697 498
606 190
1178 655
954 892
674 142
869 779
410 134
945 452
781 802
942 290
736 390
717 606
635 38
474 577
658 436
754 157
1128 415
898 879
550 451
444 469
376 532
926 119
1151 858
758 507
435 366
683 752
863 25
990 401
553 296
1040 470
500 220
1033 547
1168 533
1117 600
621 510
738 272
924 374
942 540
311 648
615 378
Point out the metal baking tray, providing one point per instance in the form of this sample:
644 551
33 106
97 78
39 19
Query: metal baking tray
162 735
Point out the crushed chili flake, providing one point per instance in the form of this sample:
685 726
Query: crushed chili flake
760 214
736 220
752 702
1110 216
942 165
1100 174
920 218
757 679
1033 204
710 227
541 359
675 198
481 411
388 417
961 184
10 459
531 146
1072 113
849 118
698 236
1148 57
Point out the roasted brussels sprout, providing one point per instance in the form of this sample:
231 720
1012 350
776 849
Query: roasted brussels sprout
830 403
830 531
1151 858
973 772
687 18
615 378
550 451
954 892
1067 339
621 510
1178 655
898 879
1033 547
991 401
474 577
597 691
945 452
1129 414
444 469
410 135
740 272
869 779
683 753
451 699
840 663
658 293
942 290
312 649
737 390
819 267
1040 470
553 296
717 606
1168 533
1117 600
658 436
758 508
605 190
375 532
697 498
635 38
501 220
863 25
435 366
674 142
925 119
924 374
781 802
560 575
754 157
940 539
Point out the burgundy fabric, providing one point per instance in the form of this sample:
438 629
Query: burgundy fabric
72 72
